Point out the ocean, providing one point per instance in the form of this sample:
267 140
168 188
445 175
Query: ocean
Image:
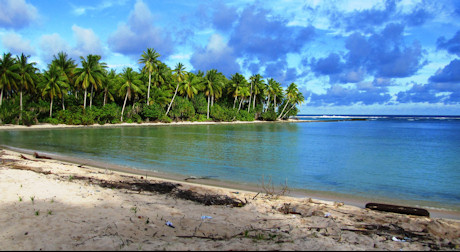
412 159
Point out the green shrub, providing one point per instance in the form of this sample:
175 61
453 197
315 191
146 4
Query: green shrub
53 121
244 115
200 103
269 115
28 117
165 119
182 109
221 114
152 112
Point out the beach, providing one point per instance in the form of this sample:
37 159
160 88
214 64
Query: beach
49 204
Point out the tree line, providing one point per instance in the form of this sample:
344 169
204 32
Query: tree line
61 93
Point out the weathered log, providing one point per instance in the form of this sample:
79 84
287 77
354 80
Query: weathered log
36 155
398 209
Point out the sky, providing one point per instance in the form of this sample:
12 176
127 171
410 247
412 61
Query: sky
346 56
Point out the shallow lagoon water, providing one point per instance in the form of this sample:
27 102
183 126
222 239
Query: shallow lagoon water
406 160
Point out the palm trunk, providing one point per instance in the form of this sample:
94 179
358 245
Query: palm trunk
124 104
20 103
254 102
91 97
293 105
84 104
1 97
250 96
268 103
148 89
279 116
105 96
51 108
63 105
209 97
274 104
170 104
234 102
241 102
212 100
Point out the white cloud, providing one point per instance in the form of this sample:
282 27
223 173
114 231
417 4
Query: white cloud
87 42
52 44
16 14
16 44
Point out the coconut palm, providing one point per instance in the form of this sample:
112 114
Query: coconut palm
26 81
297 99
212 83
237 82
108 85
53 82
179 73
131 86
8 74
191 85
67 66
291 93
254 80
149 59
258 88
90 74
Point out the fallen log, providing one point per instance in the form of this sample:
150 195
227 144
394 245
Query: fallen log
36 155
398 209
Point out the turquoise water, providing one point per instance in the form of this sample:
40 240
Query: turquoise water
413 160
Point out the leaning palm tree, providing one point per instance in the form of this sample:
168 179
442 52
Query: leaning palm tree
8 74
149 59
298 99
90 74
26 81
179 73
131 86
291 93
108 85
53 82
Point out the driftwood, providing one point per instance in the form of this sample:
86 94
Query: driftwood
36 155
398 209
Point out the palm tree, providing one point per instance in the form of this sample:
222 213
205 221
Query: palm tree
212 83
67 67
258 88
254 80
26 72
179 73
53 82
243 93
291 93
8 74
108 85
149 59
237 83
191 85
131 86
298 99
91 73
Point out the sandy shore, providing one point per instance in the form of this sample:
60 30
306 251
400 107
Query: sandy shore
48 204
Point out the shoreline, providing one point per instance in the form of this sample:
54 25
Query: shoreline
48 204
331 197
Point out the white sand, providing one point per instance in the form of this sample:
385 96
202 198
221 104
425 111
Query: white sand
74 214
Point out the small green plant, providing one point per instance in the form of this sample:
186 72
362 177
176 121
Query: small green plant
71 177
37 213
20 198
32 198
50 212
52 200
134 209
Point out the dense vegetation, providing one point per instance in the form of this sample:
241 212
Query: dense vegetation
156 92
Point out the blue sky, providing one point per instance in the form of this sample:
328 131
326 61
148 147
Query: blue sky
347 57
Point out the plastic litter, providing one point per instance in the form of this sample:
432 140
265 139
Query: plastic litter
327 215
398 240
205 217
168 223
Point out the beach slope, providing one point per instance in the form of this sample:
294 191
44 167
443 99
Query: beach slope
48 204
